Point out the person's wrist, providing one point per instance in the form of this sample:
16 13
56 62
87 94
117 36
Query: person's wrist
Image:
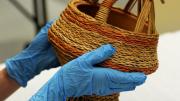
17 72
4 75
7 85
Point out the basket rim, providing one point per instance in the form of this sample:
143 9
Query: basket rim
75 3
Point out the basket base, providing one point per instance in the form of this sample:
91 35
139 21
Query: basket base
114 97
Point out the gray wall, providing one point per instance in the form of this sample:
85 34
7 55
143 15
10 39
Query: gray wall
16 30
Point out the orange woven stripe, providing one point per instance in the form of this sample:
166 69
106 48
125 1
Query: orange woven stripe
108 31
74 51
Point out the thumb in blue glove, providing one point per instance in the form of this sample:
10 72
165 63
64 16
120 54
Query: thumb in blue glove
32 60
81 77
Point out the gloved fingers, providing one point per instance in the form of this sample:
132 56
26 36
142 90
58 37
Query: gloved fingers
99 55
114 85
41 39
54 62
125 77
130 88
110 91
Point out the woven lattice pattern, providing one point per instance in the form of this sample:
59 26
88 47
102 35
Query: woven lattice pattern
96 98
84 26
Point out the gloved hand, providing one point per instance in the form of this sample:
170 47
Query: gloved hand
32 60
81 77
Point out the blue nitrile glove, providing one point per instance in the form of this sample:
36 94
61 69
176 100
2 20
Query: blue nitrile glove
32 60
81 77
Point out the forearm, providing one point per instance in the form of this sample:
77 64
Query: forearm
7 85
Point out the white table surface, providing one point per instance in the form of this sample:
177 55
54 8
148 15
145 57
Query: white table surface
160 86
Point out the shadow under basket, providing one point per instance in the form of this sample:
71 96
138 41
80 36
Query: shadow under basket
85 26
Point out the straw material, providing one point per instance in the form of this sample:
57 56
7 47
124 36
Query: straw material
84 26
96 98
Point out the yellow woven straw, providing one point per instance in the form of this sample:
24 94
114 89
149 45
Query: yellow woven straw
84 26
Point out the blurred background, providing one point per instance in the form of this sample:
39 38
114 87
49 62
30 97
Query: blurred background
21 19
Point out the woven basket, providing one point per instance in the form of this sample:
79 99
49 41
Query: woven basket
84 26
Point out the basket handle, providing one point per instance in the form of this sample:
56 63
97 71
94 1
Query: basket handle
151 26
103 13
143 16
144 12
147 13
